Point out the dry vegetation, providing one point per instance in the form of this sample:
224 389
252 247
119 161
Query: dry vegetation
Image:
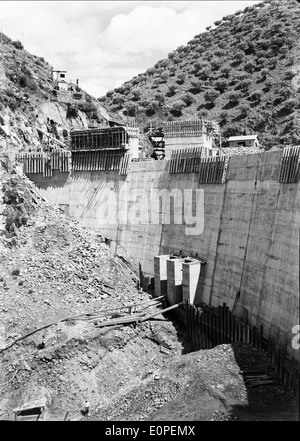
243 72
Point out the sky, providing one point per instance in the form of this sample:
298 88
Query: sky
105 43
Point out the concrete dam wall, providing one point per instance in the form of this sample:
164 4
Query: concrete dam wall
246 229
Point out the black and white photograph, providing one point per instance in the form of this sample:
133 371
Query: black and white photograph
149 213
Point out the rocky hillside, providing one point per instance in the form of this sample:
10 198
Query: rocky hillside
29 100
244 71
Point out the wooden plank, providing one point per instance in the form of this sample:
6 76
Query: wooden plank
197 330
208 330
224 322
205 331
188 319
238 331
194 330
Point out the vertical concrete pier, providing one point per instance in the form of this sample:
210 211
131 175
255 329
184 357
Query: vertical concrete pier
160 274
174 277
192 280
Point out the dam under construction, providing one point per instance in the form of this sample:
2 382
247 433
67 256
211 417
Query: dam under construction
247 232
216 235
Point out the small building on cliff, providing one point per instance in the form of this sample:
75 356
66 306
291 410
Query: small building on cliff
241 145
244 141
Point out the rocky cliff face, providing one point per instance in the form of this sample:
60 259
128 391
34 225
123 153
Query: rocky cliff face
30 102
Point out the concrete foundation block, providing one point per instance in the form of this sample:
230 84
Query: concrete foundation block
192 280
160 275
174 277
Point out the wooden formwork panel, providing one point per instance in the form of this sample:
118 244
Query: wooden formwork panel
90 160
211 170
289 170
185 160
95 139
45 162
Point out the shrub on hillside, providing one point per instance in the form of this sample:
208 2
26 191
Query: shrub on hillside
118 99
120 90
285 92
249 9
171 90
217 22
239 56
211 95
223 116
243 46
181 48
152 107
161 64
289 75
172 70
72 111
26 71
180 78
200 49
204 73
256 95
176 59
209 40
156 83
225 71
197 86
249 66
17 44
198 65
220 52
135 81
228 17
244 84
188 98
222 44
221 84
243 110
264 74
130 109
109 93
215 64
160 98
177 108
290 104
203 114
151 71
234 97
23 81
89 109
136 93
164 76
251 48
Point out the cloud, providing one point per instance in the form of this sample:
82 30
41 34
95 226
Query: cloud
104 43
